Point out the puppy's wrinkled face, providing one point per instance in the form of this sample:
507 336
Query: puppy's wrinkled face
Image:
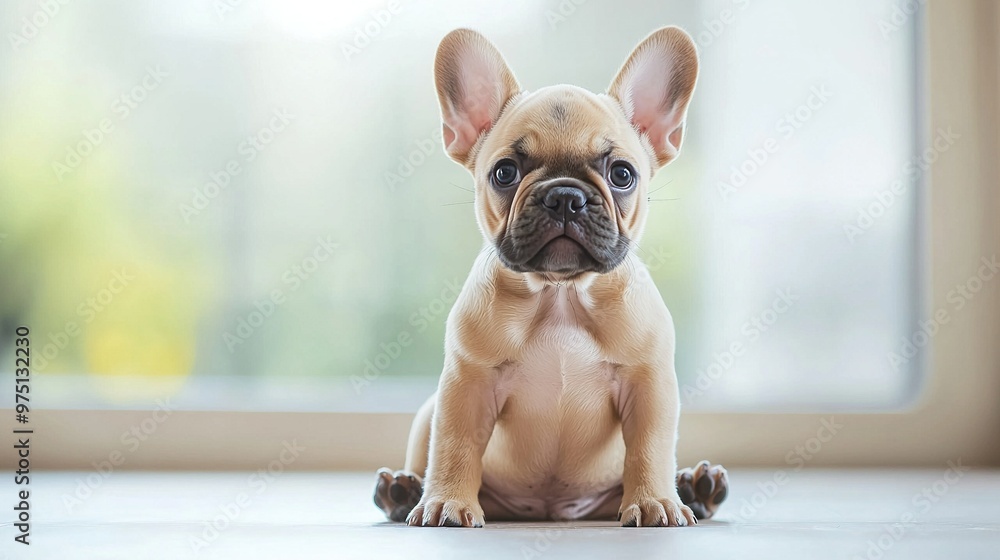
560 181
562 173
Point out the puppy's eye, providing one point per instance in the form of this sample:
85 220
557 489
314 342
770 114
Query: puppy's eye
505 173
621 175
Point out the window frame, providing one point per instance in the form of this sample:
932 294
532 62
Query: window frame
955 416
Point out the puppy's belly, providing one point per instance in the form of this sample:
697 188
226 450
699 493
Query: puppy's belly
557 450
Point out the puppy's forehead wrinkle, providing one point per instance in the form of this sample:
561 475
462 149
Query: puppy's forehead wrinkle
517 146
563 117
539 142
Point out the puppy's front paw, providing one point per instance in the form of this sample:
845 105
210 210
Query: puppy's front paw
437 511
703 488
655 512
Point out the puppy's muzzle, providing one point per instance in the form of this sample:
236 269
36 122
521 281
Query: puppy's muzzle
564 227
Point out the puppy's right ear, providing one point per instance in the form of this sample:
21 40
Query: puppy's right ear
473 85
654 87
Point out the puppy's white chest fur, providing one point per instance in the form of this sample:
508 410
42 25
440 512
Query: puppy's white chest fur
561 365
556 450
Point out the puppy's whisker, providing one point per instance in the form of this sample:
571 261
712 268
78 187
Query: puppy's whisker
663 186
457 203
634 247
661 199
457 186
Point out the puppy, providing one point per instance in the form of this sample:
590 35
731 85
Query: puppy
558 398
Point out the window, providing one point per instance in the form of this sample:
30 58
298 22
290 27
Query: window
247 206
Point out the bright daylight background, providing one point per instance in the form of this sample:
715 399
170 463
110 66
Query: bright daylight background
250 139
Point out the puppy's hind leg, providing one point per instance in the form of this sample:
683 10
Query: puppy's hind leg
703 488
397 493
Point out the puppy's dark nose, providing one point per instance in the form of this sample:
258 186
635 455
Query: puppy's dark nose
565 203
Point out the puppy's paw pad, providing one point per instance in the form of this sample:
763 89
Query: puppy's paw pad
703 488
397 493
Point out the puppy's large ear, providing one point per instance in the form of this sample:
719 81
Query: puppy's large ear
654 87
473 85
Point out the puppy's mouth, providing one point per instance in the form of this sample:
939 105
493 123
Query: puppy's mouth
562 256
565 230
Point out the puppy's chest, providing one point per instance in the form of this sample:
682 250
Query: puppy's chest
557 416
561 367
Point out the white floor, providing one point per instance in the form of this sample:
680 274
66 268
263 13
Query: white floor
911 514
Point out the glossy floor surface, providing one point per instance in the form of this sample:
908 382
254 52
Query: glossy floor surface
842 514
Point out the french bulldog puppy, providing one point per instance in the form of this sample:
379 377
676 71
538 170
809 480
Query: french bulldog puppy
558 398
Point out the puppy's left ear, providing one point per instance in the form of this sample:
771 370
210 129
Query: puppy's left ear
654 87
474 84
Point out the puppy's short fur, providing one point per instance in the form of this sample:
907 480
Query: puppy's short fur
558 398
